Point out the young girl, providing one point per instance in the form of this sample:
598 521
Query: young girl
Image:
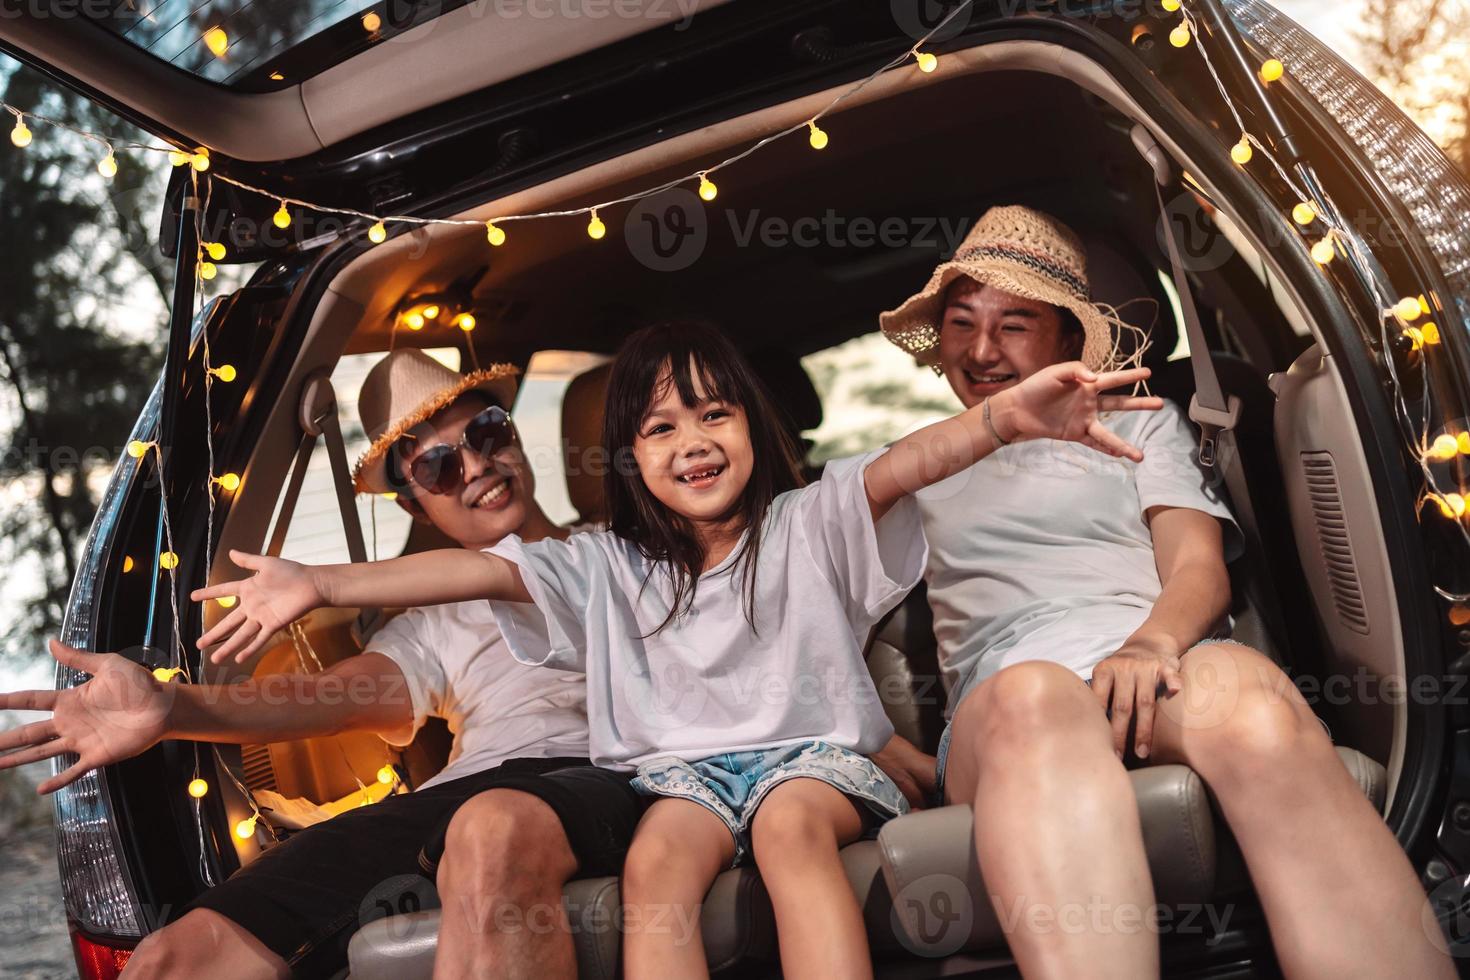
720 622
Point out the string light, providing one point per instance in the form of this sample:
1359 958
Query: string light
165 674
1171 6
707 188
1179 36
225 372
1463 442
1241 152
200 160
817 137
387 775
198 788
168 561
927 62
178 157
1445 448
1272 71
595 228
282 217
1416 338
378 233
208 270
413 320
227 601
465 322
1407 309
1304 213
1431 333
217 41
215 250
431 312
21 134
495 236
371 22
107 166
390 495
1324 251
245 829
1451 505
229 481
127 564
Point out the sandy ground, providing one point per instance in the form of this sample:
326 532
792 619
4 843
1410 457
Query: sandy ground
33 939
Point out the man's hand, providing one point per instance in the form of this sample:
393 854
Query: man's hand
119 712
910 767
1063 402
1130 681
279 593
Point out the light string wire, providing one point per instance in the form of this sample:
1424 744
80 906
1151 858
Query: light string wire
1415 431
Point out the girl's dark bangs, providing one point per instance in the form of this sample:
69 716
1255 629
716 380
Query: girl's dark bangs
715 376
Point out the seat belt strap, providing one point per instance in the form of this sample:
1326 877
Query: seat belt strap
1210 408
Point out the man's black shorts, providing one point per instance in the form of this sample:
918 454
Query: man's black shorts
305 897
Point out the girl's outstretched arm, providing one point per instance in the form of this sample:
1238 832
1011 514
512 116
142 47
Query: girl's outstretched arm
1058 402
281 592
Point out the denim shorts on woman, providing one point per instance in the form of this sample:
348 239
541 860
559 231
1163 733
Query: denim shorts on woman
732 785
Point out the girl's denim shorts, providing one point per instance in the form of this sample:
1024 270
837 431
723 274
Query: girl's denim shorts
732 785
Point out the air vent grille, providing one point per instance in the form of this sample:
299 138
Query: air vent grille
1332 534
255 765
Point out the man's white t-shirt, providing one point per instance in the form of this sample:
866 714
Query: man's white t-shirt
459 668
1040 551
707 684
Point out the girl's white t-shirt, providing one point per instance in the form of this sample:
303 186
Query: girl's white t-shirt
708 683
1041 551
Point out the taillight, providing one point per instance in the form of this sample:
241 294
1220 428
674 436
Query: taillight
98 961
96 886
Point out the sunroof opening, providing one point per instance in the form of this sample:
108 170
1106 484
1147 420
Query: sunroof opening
258 45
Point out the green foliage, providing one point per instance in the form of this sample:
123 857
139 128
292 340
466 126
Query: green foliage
71 377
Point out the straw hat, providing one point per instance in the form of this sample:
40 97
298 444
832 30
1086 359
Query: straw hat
406 388
1026 253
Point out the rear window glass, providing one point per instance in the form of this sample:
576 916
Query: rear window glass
257 44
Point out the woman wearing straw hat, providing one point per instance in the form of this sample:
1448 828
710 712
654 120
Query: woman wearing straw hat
1075 602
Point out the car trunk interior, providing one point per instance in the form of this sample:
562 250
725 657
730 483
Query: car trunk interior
1013 122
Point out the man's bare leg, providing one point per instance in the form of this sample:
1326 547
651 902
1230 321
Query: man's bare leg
203 943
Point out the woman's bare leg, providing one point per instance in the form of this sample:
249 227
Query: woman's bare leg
1339 894
677 851
795 835
1056 825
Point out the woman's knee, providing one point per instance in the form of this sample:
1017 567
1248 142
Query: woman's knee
659 861
203 940
1026 703
788 830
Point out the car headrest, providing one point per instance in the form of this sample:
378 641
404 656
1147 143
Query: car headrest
581 432
790 389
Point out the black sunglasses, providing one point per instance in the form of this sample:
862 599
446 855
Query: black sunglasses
440 469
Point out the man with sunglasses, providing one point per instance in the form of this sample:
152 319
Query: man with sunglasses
514 815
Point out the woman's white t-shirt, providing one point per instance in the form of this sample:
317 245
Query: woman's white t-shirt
1040 551
708 683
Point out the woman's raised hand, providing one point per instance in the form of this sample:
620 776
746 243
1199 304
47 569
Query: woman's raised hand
1063 401
279 593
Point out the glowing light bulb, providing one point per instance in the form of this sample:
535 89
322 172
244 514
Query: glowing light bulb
390 495
230 481
1463 443
465 322
1242 152
1459 614
494 235
927 62
225 372
138 448
165 674
386 775
1324 251
1407 309
245 829
197 788
216 251
431 312
208 270
1171 5
1424 306
817 137
282 217
1416 337
217 41
1431 333
21 134
107 166
707 188
371 22
595 228
168 561
414 321
378 233
227 601
1444 448
127 564
1272 70
178 157
1179 36
1453 505
200 161
1304 213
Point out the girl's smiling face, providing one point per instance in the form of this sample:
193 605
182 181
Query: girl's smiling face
695 459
